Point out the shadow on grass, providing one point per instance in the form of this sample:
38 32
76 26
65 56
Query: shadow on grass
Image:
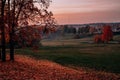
72 55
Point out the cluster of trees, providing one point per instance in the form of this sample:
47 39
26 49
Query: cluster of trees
73 30
69 29
15 16
27 37
85 29
106 35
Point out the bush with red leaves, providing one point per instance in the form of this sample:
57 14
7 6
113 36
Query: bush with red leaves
106 36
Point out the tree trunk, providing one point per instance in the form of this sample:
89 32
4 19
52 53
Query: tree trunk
3 32
0 51
12 32
11 50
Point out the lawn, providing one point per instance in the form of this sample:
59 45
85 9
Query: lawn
102 57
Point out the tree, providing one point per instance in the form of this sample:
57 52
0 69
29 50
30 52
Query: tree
28 37
92 30
65 29
107 33
2 28
81 30
74 30
21 13
106 36
86 29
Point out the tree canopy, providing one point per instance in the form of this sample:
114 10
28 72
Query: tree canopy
19 14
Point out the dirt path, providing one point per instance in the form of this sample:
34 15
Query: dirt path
25 68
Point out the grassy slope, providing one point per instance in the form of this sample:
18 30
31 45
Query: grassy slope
99 57
26 68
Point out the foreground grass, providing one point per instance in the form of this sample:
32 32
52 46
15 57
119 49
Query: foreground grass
99 57
26 68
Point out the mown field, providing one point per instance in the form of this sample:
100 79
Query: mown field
78 53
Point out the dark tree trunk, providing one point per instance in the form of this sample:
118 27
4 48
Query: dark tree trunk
12 44
3 54
12 32
0 51
11 50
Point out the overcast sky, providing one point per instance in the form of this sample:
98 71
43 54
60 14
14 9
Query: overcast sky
85 11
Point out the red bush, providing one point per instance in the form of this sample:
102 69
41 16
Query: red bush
106 36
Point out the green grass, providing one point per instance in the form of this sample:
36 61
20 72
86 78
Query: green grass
99 57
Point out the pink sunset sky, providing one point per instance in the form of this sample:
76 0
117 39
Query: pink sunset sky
85 11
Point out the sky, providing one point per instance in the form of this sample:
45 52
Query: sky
85 11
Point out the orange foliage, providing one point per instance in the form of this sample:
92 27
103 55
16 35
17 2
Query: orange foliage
26 68
107 33
28 36
106 36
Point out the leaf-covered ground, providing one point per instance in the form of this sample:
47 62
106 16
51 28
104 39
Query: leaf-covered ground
26 68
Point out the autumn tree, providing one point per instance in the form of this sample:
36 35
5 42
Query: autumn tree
28 36
24 12
107 34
